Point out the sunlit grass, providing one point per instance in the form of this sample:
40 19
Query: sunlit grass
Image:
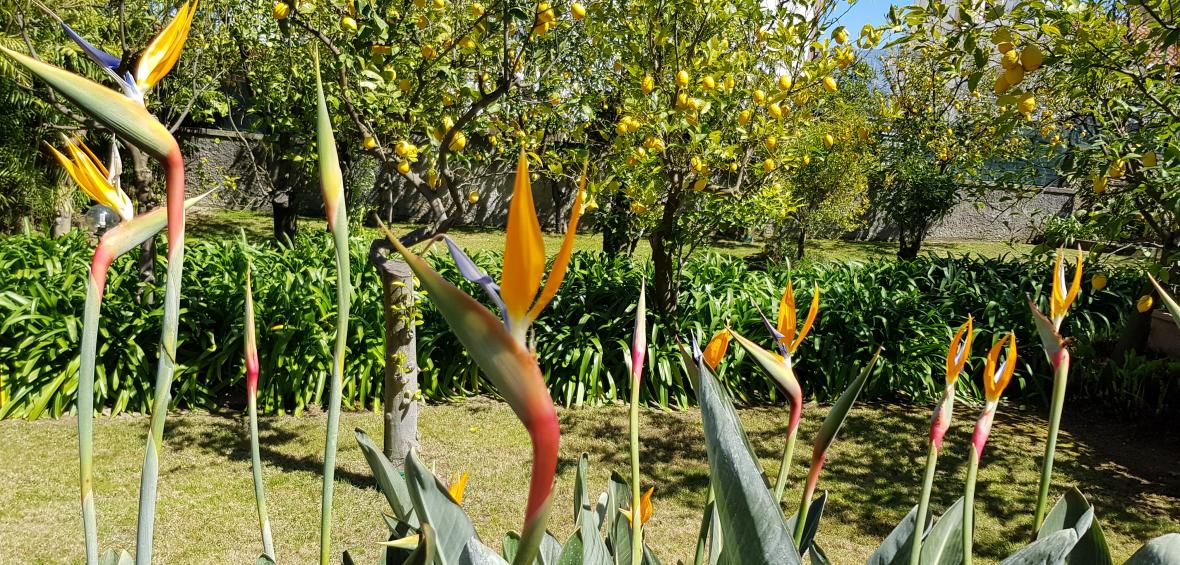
206 509
217 225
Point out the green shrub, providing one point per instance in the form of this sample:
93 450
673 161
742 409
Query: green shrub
586 331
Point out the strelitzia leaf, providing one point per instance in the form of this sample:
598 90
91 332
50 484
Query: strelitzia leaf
1048 551
1069 511
752 525
839 412
895 549
389 480
130 234
811 527
943 544
433 505
127 118
1164 550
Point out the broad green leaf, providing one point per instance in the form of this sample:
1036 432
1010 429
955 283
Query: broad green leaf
264 560
1069 510
1164 550
814 513
895 549
389 480
752 524
433 505
1051 550
943 545
113 557
594 551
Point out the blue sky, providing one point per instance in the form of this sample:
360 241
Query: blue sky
864 12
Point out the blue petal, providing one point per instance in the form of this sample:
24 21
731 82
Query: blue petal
782 347
97 55
473 273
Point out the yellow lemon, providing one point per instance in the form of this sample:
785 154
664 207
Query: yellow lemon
1005 47
759 96
1031 58
768 165
348 24
1027 103
744 117
472 197
476 10
708 83
428 52
423 22
1014 75
578 10
1098 282
829 84
404 85
1148 159
648 84
785 82
1001 84
403 167
281 10
440 3
840 35
1116 169
776 111
1010 59
829 141
682 78
771 142
1144 303
458 142
369 142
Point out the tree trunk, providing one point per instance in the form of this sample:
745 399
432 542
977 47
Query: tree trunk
1138 328
614 224
908 247
283 211
800 241
400 405
666 283
145 201
63 216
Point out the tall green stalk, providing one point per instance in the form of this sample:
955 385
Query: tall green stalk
1060 379
784 469
332 186
90 318
636 510
166 365
924 504
251 355
969 507
638 354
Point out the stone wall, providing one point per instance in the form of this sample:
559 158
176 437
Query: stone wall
237 164
998 216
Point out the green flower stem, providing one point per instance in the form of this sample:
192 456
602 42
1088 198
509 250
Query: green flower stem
166 368
924 504
343 291
636 504
784 470
969 506
1060 379
817 465
90 318
701 546
256 466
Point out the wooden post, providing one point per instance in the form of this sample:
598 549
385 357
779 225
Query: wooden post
400 398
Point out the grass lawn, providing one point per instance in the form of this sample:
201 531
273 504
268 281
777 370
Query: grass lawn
206 509
220 224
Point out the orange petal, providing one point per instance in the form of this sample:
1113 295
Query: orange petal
716 348
562 261
959 350
1074 286
811 313
786 314
457 487
993 383
524 252
1058 297
161 54
645 507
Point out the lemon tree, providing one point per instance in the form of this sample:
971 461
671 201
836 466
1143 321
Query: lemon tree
940 140
423 87
1100 82
707 101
